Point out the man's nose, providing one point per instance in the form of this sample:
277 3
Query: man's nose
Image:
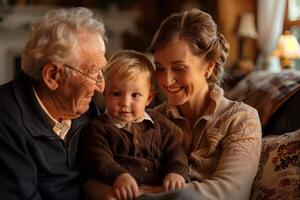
99 86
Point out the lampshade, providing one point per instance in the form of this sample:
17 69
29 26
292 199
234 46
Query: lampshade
247 26
288 47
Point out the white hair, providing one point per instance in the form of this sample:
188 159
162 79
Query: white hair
53 39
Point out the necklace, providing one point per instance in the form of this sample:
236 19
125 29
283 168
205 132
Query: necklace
196 146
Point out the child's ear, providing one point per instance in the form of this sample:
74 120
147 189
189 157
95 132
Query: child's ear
51 76
151 96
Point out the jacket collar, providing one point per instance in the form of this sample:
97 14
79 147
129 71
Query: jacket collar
34 118
120 124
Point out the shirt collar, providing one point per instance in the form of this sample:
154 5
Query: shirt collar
216 93
60 128
120 124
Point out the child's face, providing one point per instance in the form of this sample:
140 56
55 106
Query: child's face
126 99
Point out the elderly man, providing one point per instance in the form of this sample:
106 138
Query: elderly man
45 108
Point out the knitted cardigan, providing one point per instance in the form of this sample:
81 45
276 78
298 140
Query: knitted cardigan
148 153
226 147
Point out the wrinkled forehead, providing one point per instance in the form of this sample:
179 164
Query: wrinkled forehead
91 51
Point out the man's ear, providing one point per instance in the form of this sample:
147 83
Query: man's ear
151 96
51 76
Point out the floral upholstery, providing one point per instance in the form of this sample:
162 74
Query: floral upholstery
278 176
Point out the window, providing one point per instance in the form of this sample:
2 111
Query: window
292 21
293 10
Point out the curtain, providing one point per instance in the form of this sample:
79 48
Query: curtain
270 17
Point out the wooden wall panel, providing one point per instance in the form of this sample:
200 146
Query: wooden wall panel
229 12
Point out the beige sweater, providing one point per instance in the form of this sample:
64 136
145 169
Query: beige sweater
225 148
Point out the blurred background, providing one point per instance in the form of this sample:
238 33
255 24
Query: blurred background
252 27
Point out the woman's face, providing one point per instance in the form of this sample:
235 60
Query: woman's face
180 73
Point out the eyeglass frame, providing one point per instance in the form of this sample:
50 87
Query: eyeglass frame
97 80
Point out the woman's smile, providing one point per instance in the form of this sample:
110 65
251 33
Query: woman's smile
173 89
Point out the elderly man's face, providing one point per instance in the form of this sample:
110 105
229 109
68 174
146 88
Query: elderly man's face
77 89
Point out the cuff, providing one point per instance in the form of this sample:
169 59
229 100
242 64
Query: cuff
111 172
179 169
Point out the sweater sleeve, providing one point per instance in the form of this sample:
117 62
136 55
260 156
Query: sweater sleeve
176 159
238 161
98 157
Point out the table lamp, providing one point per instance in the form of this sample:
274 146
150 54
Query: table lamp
287 50
246 29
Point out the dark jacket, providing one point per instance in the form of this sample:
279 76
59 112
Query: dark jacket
34 162
148 154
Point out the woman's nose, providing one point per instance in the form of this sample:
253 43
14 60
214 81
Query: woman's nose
168 78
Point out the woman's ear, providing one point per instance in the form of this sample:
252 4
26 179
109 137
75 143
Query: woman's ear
51 76
209 69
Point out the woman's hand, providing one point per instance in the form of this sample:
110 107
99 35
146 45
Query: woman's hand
125 187
173 181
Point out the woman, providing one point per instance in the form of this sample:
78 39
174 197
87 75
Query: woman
221 137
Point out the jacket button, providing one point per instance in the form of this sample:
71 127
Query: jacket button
137 141
146 168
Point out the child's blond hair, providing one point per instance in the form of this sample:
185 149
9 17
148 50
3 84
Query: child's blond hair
128 64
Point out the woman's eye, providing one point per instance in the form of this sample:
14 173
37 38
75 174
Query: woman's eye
179 68
159 68
116 94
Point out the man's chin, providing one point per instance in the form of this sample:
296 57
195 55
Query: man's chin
77 115
78 112
82 110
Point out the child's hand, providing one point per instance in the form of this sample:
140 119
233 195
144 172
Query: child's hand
110 195
125 187
173 181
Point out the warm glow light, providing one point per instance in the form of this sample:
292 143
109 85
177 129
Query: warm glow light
288 47
287 50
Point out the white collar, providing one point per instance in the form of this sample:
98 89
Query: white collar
60 128
120 124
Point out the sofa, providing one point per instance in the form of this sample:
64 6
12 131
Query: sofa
276 96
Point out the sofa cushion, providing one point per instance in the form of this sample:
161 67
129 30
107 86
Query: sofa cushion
278 175
266 91
286 118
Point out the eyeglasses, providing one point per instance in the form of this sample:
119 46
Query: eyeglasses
99 74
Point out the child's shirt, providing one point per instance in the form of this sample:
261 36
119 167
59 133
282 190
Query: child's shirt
128 126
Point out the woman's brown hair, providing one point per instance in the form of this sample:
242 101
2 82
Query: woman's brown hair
200 30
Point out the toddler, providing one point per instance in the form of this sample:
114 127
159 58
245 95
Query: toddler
128 146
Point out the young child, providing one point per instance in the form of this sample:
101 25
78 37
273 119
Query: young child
126 146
